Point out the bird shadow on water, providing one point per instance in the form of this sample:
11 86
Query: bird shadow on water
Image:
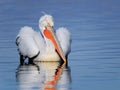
43 76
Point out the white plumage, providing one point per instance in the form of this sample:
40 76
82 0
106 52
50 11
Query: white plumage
63 36
43 46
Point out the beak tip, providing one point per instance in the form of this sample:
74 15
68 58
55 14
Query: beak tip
65 61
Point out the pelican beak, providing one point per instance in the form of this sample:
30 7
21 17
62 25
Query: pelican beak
49 33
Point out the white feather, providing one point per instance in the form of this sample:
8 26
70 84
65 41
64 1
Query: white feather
64 38
29 42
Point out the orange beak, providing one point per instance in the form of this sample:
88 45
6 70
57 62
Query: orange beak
48 32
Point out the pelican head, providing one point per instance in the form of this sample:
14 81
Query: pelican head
46 21
46 24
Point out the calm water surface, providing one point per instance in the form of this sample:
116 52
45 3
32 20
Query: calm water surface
94 61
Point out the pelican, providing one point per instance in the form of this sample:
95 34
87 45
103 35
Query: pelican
46 45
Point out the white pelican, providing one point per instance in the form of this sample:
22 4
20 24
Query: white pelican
45 46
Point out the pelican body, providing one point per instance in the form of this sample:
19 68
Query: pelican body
46 45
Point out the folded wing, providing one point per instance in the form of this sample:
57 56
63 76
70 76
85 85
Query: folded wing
64 38
29 42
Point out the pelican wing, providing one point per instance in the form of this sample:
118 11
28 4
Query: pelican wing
29 42
64 38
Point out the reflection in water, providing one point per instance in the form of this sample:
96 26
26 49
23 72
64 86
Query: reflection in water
44 76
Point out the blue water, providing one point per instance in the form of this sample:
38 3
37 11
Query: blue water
94 61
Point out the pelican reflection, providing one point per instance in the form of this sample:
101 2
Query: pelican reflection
44 76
